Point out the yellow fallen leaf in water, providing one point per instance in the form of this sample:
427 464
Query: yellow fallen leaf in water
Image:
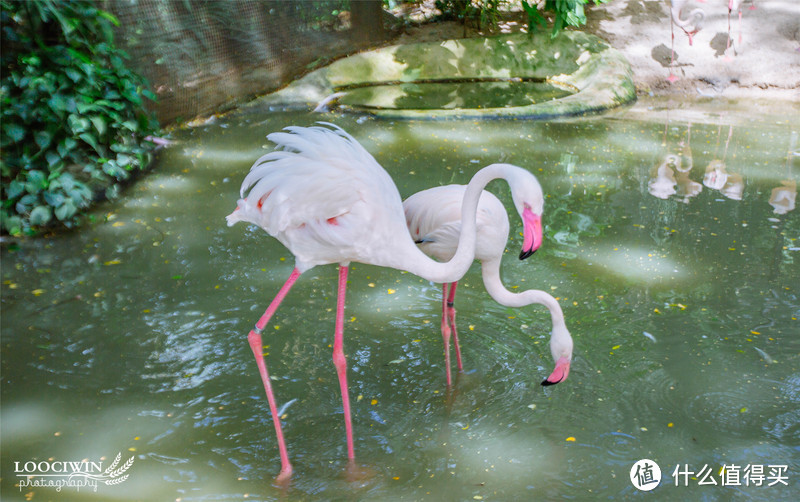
112 262
37 292
571 439
359 398
118 224
373 402
390 291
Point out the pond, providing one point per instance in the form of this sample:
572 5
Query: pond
671 242
453 95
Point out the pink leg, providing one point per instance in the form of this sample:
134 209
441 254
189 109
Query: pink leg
728 45
672 77
446 333
340 362
740 26
451 301
254 337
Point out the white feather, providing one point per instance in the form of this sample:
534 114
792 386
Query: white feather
316 192
433 217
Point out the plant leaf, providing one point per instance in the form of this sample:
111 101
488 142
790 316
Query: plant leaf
40 215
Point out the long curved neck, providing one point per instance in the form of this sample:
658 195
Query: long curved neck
693 18
490 270
413 260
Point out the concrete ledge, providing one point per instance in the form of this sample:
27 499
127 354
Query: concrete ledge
598 75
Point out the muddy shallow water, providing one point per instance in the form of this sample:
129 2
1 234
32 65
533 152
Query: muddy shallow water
671 242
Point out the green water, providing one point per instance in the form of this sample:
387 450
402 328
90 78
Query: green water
452 95
129 336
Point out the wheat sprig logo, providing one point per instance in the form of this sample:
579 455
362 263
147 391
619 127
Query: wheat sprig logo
76 474
113 475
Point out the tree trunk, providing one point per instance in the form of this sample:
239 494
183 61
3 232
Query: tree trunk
367 21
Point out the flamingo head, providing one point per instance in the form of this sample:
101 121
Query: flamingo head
529 201
561 348
531 232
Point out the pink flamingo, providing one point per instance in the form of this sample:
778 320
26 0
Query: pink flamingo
325 198
434 219
736 5
690 25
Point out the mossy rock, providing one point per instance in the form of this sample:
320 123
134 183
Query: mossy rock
596 76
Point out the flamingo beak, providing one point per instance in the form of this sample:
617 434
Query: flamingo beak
531 233
559 374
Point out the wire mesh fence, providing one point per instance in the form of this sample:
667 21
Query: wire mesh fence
204 56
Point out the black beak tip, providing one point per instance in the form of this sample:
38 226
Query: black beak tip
547 382
524 254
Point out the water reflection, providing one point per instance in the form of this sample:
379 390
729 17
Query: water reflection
130 335
672 175
453 95
782 198
662 182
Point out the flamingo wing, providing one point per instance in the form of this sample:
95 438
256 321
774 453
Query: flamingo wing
433 218
322 195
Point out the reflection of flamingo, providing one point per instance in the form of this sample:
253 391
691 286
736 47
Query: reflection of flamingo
687 188
782 198
323 196
686 163
716 175
434 220
662 181
718 178
690 25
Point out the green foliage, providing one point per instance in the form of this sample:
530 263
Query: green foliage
487 12
567 13
72 114
483 12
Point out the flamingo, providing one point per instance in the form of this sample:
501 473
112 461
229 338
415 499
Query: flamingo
693 20
692 23
736 5
325 198
434 220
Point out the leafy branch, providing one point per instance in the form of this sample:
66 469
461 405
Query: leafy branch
566 13
73 117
